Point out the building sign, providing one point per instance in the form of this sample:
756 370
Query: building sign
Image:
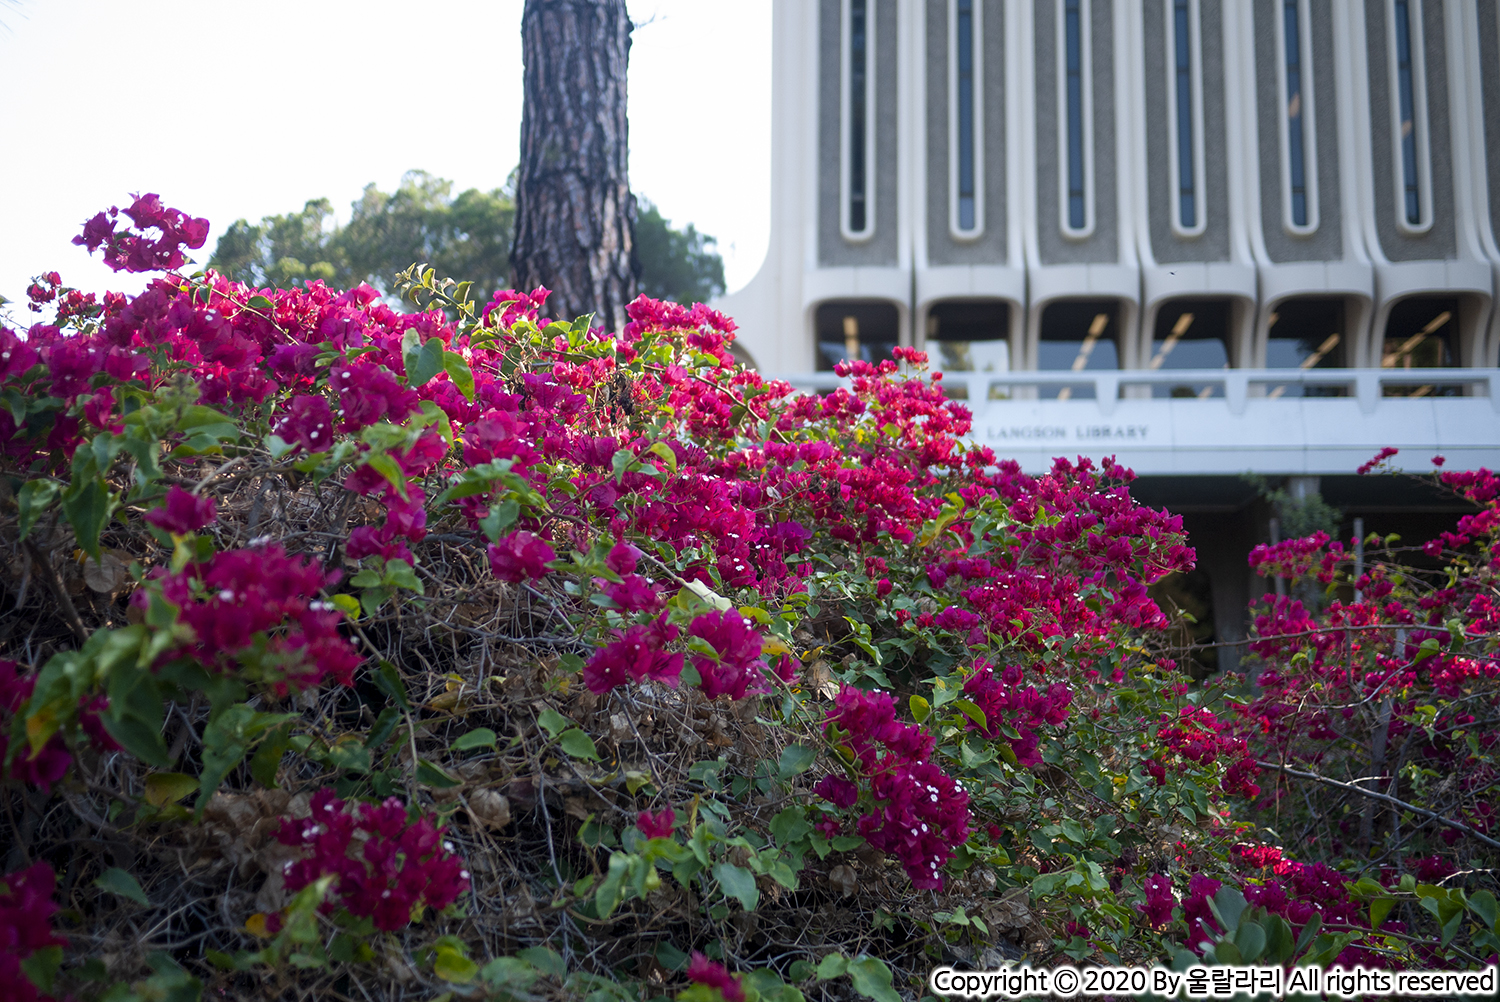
1101 433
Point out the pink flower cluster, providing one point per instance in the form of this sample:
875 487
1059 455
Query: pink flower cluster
919 814
26 910
259 605
1003 702
736 672
48 765
706 972
658 825
1198 736
387 866
1376 460
183 512
132 249
520 556
636 654
1291 558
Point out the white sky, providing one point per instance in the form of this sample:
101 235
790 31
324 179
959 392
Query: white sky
230 109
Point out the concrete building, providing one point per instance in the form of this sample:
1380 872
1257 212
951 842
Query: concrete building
1210 237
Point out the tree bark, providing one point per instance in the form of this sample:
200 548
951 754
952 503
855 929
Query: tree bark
575 216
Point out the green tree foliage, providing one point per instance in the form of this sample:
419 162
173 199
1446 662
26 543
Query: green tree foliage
468 234
680 265
422 220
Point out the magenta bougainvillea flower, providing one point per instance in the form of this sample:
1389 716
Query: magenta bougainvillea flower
706 972
920 813
737 671
520 556
183 512
385 864
634 655
26 910
658 825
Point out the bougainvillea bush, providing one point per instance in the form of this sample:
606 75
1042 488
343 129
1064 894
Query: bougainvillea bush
357 652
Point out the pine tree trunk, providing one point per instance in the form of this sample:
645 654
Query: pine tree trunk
575 216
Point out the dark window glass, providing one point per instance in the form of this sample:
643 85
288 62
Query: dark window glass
969 335
966 210
1187 194
1190 334
1422 333
1294 112
855 329
1307 334
857 123
1407 99
1077 335
1073 41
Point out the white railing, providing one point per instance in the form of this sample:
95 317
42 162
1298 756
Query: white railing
1236 387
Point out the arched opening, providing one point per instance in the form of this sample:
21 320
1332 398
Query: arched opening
849 329
969 335
1190 334
1307 333
1422 333
1078 335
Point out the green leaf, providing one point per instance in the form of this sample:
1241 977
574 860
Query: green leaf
430 775
795 760
621 462
388 680
973 712
545 959
501 517
266 762
164 788
553 723
1251 940
34 498
121 884
873 979
1379 909
790 826
832 966
458 370
578 744
260 303
227 738
451 965
41 967
87 508
920 708
738 883
387 467
1482 903
664 450
427 363
480 737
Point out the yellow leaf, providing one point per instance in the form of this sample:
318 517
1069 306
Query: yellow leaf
164 788
255 925
773 645
40 727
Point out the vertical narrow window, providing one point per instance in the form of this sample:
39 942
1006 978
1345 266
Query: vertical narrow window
1075 120
1073 68
1299 166
965 122
1188 210
1182 89
858 133
965 95
1296 158
1407 101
